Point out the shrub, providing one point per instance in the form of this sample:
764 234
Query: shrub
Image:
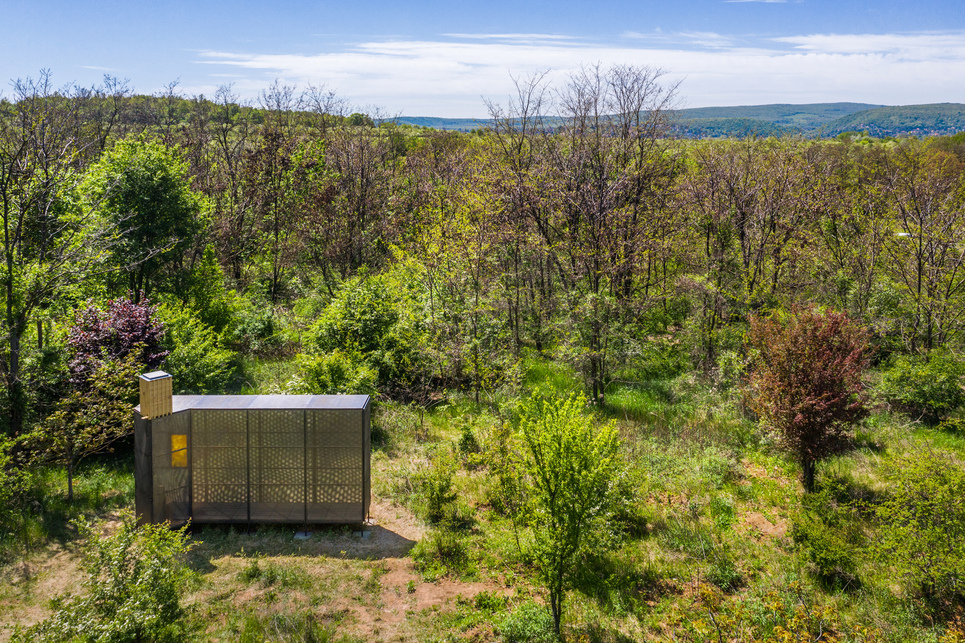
135 577
332 373
435 485
254 330
112 334
922 525
722 570
502 456
271 574
928 387
89 419
574 470
443 552
827 536
13 484
195 361
203 289
468 444
376 320
486 601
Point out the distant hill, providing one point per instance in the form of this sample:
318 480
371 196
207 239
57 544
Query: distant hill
821 120
937 119
726 127
800 118
458 124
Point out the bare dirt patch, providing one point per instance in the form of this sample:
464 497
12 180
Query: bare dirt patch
405 596
758 526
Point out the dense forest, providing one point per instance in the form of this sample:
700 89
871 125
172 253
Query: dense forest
750 349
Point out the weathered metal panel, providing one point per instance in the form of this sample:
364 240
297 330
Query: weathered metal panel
220 465
291 459
171 489
143 471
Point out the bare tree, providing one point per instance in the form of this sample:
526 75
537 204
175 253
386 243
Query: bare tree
522 136
613 169
925 251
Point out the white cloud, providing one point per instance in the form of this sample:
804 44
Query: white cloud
447 77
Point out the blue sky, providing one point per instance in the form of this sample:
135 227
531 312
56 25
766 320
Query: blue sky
443 58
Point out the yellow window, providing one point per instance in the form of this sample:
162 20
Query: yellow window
179 450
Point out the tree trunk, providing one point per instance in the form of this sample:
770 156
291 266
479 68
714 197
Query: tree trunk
70 483
15 391
556 605
808 466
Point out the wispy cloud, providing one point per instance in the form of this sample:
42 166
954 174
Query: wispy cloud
758 1
525 37
685 39
920 46
447 76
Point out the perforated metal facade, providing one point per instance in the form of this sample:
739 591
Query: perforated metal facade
259 459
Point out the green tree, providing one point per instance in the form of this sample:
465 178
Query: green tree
377 321
807 375
49 243
196 362
574 469
141 187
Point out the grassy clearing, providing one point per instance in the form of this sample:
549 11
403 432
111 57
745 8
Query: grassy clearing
705 547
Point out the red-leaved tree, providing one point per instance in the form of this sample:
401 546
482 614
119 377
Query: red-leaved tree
807 367
112 335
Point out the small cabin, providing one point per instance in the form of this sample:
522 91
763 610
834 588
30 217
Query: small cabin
250 458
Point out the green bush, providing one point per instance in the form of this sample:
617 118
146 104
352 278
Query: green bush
204 290
722 570
254 330
926 387
377 320
271 574
196 362
506 489
135 578
574 467
529 623
825 548
922 525
331 374
300 627
828 537
468 444
435 486
444 552
14 482
723 512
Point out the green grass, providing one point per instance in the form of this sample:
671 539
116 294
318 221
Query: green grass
101 485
